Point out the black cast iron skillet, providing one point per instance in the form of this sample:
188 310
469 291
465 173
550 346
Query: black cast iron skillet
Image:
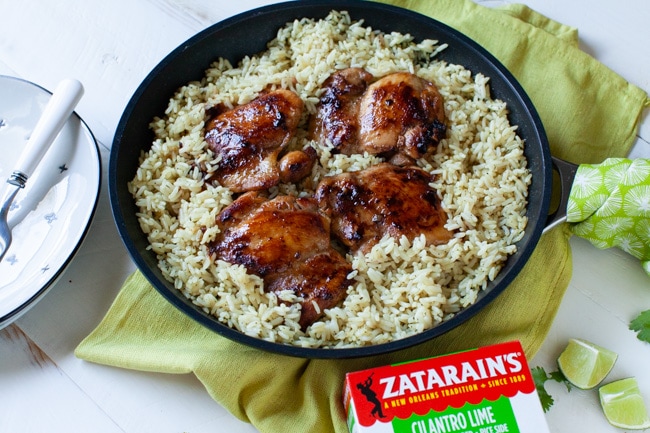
248 34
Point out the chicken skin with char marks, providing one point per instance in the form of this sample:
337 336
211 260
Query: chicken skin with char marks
286 242
382 200
401 113
249 139
400 116
337 118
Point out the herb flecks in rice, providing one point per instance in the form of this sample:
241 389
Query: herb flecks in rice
400 287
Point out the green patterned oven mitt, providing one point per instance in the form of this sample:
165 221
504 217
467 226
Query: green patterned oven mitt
609 205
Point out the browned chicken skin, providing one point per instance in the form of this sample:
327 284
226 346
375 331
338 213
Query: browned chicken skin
297 164
337 119
401 113
382 200
286 242
249 139
399 116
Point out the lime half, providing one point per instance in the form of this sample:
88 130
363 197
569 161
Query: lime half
585 364
623 404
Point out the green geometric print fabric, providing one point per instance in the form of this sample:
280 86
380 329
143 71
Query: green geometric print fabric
609 204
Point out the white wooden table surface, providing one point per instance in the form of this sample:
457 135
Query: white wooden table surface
110 46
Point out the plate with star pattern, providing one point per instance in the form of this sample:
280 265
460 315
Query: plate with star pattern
50 217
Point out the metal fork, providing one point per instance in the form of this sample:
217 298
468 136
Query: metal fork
56 113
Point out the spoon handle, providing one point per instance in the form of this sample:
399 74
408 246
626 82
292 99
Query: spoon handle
56 113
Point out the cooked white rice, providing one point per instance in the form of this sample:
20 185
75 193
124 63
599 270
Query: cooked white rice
400 287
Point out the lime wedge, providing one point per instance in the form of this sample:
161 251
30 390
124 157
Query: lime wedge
623 404
585 364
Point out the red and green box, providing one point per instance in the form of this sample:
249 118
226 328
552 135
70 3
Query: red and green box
484 390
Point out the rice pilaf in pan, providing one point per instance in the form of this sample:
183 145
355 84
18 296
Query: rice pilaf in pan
400 287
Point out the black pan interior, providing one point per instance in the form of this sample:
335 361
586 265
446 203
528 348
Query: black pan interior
247 34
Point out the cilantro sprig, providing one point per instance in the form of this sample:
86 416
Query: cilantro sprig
540 377
641 324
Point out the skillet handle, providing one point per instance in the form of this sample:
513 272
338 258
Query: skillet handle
567 172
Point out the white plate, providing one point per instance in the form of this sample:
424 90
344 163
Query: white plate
51 215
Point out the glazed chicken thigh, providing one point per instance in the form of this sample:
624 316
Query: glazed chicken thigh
401 113
249 138
382 200
337 120
400 116
286 242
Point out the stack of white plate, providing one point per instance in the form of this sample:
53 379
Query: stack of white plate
51 216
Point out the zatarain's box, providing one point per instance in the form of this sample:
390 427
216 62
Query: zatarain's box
485 390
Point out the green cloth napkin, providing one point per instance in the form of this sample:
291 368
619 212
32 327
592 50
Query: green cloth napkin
590 114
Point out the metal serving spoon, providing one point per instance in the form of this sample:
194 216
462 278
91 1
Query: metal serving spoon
56 113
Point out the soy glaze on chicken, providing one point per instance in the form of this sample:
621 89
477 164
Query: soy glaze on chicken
385 199
249 139
286 242
400 116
